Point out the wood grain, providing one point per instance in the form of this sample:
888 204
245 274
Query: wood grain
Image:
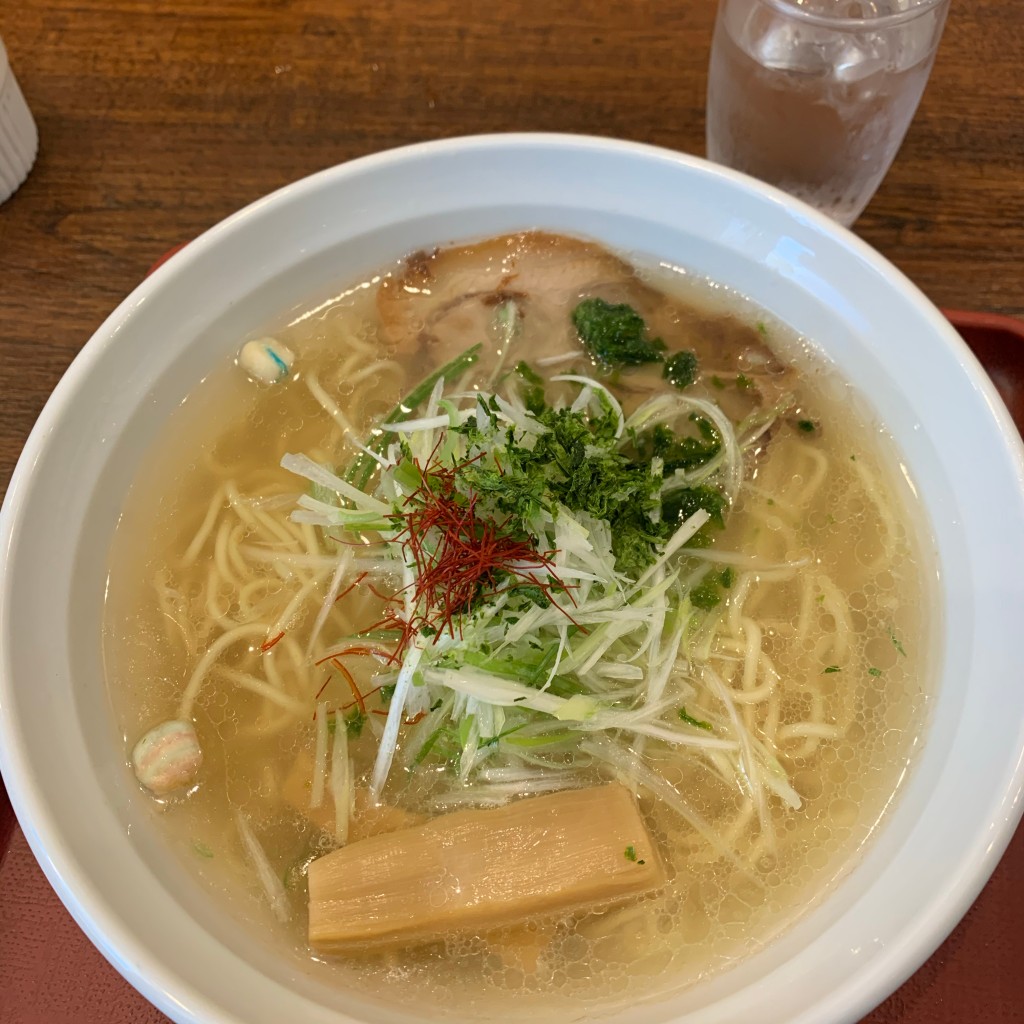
157 119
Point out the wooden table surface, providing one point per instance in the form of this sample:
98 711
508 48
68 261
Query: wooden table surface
159 118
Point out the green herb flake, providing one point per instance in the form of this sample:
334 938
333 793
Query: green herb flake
534 594
806 426
832 668
533 397
874 671
705 596
580 463
631 853
202 849
387 692
695 722
494 740
681 369
680 504
762 329
529 374
615 335
428 745
743 382
717 382
708 593
354 722
897 644
679 451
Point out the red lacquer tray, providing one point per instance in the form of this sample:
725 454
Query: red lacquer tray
51 974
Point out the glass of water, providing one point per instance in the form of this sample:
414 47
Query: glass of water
815 96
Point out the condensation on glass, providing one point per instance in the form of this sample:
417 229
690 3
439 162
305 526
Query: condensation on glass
815 96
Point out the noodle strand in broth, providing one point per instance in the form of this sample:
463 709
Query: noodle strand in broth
543 574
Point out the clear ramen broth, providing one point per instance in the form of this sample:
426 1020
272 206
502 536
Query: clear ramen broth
759 689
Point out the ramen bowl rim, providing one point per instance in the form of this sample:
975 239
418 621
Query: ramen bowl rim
83 895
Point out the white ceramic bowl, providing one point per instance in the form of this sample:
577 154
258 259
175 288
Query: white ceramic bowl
63 762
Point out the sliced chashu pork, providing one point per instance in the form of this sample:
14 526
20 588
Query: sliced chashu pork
444 301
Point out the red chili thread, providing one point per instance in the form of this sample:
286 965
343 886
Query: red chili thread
458 555
407 721
386 623
271 644
322 688
362 649
384 597
352 586
369 693
351 684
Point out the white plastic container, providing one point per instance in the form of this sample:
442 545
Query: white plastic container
19 140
